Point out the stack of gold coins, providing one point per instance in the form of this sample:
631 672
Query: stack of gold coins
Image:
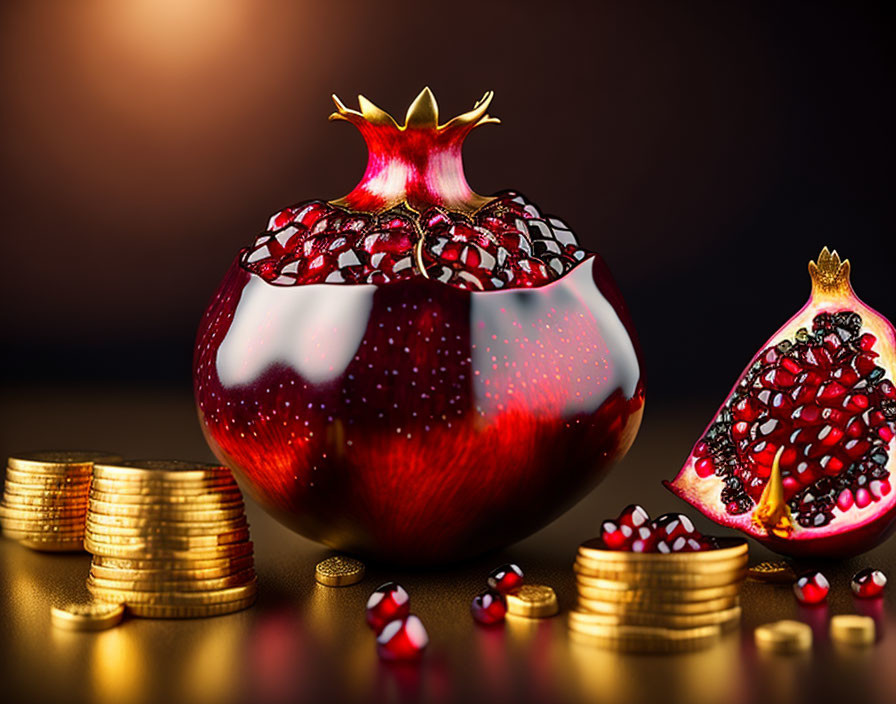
657 602
45 498
169 539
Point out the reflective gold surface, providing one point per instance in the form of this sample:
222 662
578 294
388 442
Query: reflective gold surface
304 642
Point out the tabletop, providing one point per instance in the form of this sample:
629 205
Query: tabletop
303 642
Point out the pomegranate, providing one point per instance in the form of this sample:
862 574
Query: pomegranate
799 454
416 372
633 531
506 578
811 588
868 583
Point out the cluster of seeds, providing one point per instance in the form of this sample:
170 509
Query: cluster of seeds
633 531
505 244
400 635
822 397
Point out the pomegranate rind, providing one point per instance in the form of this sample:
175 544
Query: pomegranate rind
851 532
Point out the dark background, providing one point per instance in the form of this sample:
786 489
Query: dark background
706 150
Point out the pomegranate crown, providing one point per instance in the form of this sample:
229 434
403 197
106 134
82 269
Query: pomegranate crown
417 164
830 275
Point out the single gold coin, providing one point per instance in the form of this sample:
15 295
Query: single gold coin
648 639
176 542
95 616
727 619
41 525
783 637
42 502
152 552
59 460
155 565
661 580
61 491
666 608
655 596
532 601
153 576
196 502
170 598
40 480
193 611
50 514
159 529
851 629
777 572
339 571
155 488
123 514
729 548
176 585
176 470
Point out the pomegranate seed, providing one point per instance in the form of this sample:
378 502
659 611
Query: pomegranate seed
633 516
811 588
402 639
387 603
489 607
868 583
613 536
673 525
506 578
704 467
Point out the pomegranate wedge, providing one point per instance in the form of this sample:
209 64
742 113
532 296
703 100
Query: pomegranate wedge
799 456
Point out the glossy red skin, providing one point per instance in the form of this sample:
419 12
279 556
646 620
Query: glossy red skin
332 459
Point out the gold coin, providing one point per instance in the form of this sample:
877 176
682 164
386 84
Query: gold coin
228 564
177 542
48 480
851 629
777 572
532 601
59 460
38 513
161 529
48 533
175 470
661 580
783 637
339 571
162 487
171 575
12 487
104 511
196 611
45 502
202 501
95 616
647 639
686 608
724 619
174 585
729 548
170 598
145 552
40 525
647 597
738 562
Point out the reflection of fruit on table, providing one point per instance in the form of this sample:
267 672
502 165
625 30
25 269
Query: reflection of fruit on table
303 641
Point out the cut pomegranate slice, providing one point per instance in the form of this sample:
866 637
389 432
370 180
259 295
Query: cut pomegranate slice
799 456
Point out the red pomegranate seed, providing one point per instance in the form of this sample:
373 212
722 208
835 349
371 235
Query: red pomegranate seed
670 526
489 607
811 588
868 583
704 467
506 578
613 535
402 639
633 516
387 603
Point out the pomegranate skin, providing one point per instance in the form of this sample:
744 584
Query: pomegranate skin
414 422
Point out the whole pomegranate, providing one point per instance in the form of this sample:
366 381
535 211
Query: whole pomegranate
799 454
416 372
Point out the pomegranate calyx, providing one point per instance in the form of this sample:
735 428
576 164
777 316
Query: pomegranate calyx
772 513
418 163
830 275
